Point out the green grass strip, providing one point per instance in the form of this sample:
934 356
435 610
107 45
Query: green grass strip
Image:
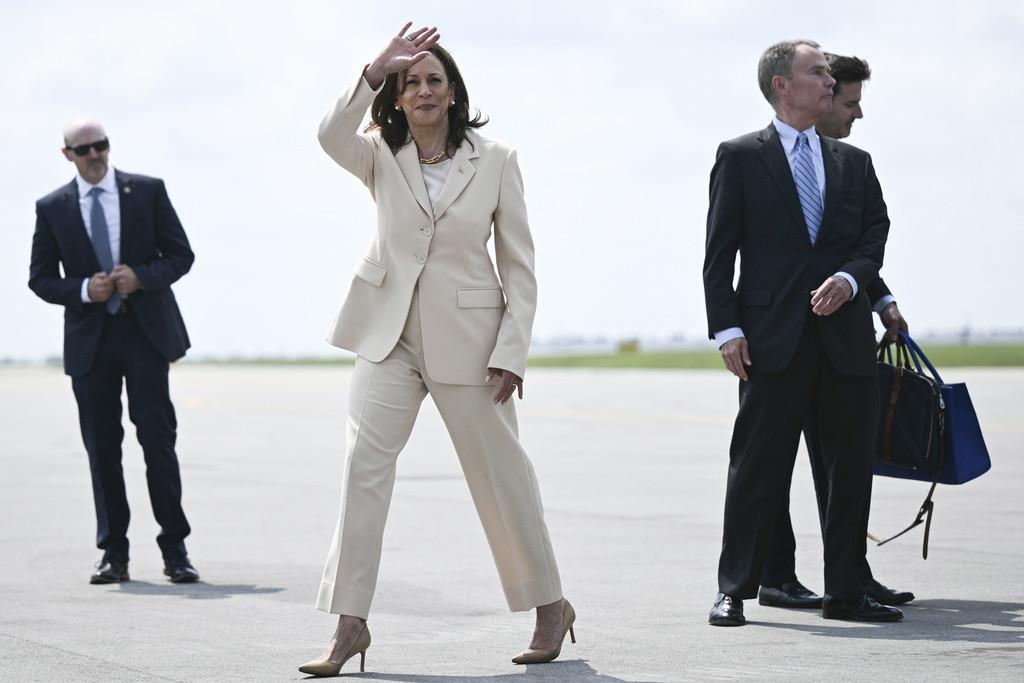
1003 355
946 356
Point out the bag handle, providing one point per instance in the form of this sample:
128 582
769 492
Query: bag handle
916 353
884 355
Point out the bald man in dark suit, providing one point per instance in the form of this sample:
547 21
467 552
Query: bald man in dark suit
107 247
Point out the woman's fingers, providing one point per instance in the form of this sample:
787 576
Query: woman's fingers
505 390
421 35
416 58
510 383
405 28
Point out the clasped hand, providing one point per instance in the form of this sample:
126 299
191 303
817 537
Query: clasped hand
122 279
825 300
833 293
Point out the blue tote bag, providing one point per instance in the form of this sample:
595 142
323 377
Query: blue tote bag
961 454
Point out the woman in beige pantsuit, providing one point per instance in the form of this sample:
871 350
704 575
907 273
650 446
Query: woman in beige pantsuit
427 314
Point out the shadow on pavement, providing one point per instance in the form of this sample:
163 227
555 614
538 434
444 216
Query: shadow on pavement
577 671
194 591
942 620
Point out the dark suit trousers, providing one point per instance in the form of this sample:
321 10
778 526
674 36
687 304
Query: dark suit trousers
125 353
764 445
780 567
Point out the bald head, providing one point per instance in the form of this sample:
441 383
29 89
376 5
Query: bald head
83 132
80 148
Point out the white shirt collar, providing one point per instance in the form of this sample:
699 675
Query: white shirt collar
788 135
108 183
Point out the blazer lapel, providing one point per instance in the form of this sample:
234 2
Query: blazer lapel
774 157
459 175
124 201
409 162
833 160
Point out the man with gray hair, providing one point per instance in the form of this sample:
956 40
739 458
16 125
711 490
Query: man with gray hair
120 245
779 584
807 218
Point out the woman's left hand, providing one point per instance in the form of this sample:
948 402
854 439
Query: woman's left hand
510 382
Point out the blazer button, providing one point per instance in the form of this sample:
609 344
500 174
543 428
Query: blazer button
420 258
427 230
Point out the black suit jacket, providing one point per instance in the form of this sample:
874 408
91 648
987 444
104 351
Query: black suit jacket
755 210
876 290
153 243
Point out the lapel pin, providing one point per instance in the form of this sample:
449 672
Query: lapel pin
460 169
127 189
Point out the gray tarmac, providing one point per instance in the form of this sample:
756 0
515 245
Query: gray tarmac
632 466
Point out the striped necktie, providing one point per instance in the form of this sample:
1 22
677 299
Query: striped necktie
807 186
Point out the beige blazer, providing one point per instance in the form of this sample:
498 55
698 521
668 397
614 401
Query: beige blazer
471 319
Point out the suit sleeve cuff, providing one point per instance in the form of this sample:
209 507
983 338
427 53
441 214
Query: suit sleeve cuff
85 292
882 303
853 283
727 335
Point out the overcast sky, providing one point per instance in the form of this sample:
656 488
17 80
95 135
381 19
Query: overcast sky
616 109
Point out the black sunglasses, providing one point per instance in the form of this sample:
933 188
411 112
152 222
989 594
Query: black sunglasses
83 150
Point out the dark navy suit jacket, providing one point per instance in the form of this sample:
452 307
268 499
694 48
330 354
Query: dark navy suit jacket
755 211
153 243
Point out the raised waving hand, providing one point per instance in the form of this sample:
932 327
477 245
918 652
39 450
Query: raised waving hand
401 53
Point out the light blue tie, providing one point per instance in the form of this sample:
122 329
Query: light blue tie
807 186
101 243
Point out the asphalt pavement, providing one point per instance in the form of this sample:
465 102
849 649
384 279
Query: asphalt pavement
632 468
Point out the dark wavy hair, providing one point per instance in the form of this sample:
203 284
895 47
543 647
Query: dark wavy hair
847 70
392 124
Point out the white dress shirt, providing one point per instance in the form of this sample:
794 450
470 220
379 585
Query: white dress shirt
788 137
882 303
111 204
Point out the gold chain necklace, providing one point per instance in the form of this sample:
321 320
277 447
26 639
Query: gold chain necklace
437 158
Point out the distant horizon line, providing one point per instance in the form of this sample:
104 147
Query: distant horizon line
565 345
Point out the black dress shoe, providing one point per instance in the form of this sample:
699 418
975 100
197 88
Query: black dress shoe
858 609
180 570
884 595
790 594
110 571
728 611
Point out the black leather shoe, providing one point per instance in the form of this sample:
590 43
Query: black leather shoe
859 609
180 570
728 611
110 571
790 594
884 595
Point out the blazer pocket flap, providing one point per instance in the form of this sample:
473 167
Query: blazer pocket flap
371 272
756 297
480 298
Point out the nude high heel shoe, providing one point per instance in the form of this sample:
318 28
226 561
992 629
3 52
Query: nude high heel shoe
326 667
542 656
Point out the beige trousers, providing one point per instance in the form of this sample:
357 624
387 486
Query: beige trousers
384 401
